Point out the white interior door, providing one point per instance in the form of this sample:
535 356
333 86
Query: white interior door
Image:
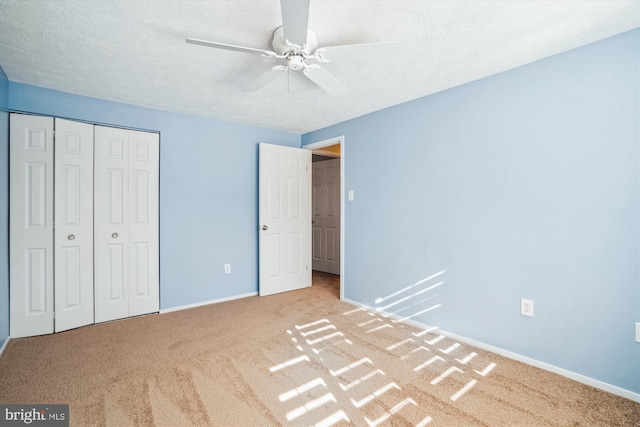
144 250
111 208
73 235
285 219
31 225
326 216
126 247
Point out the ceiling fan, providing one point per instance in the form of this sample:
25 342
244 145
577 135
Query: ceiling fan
296 43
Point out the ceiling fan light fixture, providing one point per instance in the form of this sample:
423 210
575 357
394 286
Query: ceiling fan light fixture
295 62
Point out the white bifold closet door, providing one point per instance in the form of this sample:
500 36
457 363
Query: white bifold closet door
73 233
31 225
83 234
126 223
51 267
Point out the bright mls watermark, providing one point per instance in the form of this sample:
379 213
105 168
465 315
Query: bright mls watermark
36 415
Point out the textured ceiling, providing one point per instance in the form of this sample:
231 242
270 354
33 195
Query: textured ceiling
135 51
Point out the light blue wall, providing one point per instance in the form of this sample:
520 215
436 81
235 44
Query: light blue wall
520 185
208 190
4 208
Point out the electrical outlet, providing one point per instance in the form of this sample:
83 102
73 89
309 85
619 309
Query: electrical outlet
227 269
526 307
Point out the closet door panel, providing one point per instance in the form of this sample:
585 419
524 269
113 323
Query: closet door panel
73 235
111 209
143 223
31 225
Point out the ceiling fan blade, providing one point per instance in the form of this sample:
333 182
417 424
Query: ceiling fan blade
325 80
386 50
233 47
265 78
295 20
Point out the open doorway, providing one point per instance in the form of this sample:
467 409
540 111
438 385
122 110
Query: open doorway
327 214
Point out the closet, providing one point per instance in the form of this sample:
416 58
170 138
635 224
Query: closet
83 236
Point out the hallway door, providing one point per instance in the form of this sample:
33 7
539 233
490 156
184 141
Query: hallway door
326 216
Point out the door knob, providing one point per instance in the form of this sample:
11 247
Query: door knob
71 236
265 228
114 235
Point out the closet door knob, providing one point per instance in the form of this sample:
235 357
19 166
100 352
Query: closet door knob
71 237
114 235
265 228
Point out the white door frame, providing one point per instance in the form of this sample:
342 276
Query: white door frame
338 140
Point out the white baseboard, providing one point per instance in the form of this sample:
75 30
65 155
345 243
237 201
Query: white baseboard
6 342
213 301
515 356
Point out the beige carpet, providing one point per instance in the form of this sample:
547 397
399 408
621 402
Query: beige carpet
300 358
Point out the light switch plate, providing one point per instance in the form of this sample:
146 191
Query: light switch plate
637 331
350 195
